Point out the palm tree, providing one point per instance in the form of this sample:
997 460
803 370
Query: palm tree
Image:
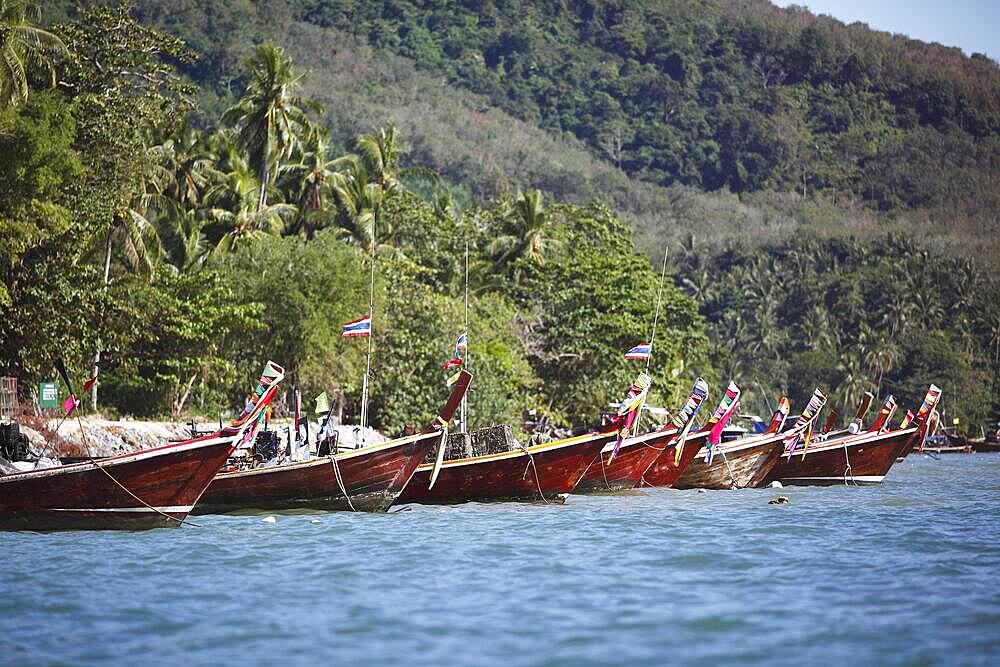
311 180
186 166
854 382
185 246
527 233
22 45
269 116
248 222
359 203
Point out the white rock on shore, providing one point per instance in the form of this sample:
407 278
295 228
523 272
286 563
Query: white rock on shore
110 437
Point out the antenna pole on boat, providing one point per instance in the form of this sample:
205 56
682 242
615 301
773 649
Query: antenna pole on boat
465 362
371 332
659 297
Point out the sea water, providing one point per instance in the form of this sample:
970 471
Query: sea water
903 573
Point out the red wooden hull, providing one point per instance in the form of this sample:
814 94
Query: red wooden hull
82 497
858 459
739 464
634 457
373 477
509 476
663 472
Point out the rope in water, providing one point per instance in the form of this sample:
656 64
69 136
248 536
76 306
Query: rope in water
340 481
534 468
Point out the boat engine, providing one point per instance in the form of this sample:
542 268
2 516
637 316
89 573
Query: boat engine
13 443
265 447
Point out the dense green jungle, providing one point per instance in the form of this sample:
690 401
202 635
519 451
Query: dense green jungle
194 187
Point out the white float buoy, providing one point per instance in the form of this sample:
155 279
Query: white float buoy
777 485
269 519
314 521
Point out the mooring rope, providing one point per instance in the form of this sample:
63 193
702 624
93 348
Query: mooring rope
732 476
604 472
97 465
340 481
534 468
849 471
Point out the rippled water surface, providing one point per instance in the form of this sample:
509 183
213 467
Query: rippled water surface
905 573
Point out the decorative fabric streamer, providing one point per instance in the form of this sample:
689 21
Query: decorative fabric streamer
906 419
630 408
685 418
272 373
721 417
698 394
807 417
930 402
815 404
884 415
780 415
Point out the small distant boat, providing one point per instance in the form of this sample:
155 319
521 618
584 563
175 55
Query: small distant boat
153 488
739 464
369 479
634 457
985 446
545 472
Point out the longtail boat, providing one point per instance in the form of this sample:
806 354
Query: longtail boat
852 459
855 459
368 479
545 472
625 470
152 488
674 461
739 464
668 467
621 465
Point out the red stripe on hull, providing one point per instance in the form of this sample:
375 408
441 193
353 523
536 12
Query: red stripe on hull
508 477
81 497
633 459
373 480
870 456
663 472
736 465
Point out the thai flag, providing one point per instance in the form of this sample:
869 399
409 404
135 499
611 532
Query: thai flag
362 327
462 344
640 351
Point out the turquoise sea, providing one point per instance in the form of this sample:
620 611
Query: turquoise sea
904 573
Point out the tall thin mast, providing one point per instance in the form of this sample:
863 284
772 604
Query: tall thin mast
656 316
465 362
371 332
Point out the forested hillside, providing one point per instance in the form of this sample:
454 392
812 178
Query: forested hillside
198 186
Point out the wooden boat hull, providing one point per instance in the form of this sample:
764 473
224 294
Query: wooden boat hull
867 460
509 476
634 457
373 477
985 447
80 496
663 472
744 465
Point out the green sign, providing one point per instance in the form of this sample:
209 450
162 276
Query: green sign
48 395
